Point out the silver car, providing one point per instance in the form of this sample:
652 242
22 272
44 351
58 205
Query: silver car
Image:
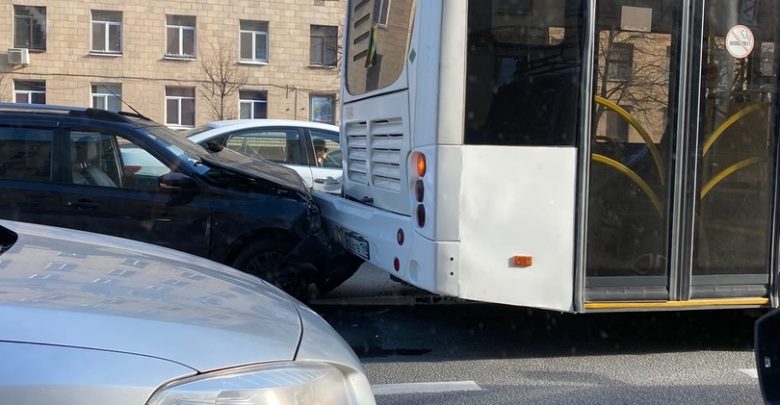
310 148
94 319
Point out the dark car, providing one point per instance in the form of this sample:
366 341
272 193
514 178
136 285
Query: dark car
127 176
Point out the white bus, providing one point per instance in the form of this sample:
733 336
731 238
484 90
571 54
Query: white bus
573 155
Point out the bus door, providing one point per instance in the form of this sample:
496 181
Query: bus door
682 183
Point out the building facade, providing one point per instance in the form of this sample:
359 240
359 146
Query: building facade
178 63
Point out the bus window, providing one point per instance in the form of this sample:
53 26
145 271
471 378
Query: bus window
377 39
523 72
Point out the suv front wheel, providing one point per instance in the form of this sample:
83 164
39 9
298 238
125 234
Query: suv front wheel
266 259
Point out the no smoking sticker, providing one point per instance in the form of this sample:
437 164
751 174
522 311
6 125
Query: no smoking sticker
740 41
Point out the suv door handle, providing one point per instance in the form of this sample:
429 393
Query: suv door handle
329 180
84 205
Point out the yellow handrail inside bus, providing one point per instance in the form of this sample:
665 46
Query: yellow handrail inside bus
729 122
642 132
633 176
726 173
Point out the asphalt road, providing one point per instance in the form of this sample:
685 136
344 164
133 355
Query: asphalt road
490 354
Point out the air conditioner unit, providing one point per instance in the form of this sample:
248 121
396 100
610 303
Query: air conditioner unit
18 56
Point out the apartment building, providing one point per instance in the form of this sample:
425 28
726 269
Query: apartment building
182 63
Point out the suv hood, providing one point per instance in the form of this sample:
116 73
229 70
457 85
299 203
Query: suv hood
63 287
264 169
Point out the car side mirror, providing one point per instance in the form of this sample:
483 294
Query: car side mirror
177 182
767 348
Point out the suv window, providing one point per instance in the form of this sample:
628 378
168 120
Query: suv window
103 160
276 145
25 154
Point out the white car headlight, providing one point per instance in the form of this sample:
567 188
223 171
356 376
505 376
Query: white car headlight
298 383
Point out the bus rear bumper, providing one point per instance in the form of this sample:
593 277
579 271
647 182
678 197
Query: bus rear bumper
432 266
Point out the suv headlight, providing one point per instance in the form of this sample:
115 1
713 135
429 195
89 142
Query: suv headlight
298 383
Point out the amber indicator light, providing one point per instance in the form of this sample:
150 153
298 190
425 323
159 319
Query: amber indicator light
522 261
422 166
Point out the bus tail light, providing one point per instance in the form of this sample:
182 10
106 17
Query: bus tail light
397 264
418 165
421 215
422 166
419 190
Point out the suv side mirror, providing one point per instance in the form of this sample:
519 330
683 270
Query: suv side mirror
767 347
177 182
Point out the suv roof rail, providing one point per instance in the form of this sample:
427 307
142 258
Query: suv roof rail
72 111
134 115
39 107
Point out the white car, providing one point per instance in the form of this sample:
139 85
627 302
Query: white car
92 319
312 149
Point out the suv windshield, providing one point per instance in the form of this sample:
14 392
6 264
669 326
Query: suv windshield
175 142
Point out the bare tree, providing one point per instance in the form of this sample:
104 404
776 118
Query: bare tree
645 87
223 79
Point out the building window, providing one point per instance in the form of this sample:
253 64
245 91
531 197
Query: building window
323 46
253 104
617 128
106 31
380 13
30 91
322 107
107 96
620 62
30 27
180 32
180 107
254 41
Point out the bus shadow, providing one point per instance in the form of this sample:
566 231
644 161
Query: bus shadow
486 331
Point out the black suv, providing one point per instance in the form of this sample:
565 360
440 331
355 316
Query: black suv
124 175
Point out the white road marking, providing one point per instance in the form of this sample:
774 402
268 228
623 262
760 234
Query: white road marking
750 372
424 388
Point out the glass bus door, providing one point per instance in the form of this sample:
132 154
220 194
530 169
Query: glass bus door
681 189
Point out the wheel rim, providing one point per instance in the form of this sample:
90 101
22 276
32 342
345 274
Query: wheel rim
269 267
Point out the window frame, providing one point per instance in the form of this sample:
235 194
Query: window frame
107 39
179 99
621 57
382 13
106 96
255 60
29 93
181 29
332 98
251 102
324 39
31 20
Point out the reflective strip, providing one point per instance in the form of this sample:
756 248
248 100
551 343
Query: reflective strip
677 304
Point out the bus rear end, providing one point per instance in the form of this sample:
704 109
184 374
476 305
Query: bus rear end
388 212
575 155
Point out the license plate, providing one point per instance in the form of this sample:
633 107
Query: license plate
357 244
